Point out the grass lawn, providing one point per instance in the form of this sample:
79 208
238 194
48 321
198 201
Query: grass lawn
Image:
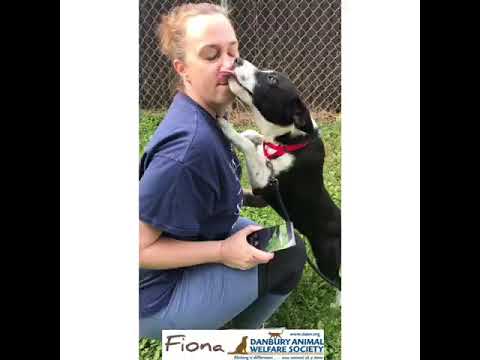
310 305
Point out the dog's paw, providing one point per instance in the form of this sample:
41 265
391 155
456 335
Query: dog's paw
226 127
223 123
338 301
253 136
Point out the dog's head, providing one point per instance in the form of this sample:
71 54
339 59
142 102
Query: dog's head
272 97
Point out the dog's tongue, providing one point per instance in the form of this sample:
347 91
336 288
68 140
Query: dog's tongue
224 75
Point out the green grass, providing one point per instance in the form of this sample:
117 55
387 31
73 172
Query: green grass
310 306
148 123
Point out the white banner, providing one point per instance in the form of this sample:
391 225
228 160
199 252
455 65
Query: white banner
243 344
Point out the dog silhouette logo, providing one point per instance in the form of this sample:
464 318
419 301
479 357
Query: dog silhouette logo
242 347
276 334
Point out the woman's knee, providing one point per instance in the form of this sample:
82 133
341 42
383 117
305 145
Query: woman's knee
283 273
242 223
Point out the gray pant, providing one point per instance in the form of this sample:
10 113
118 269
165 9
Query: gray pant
210 295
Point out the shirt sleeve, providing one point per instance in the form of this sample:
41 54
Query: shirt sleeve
173 198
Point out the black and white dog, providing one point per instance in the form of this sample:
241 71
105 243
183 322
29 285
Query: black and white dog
292 143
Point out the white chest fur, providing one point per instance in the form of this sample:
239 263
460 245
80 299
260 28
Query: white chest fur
250 143
280 164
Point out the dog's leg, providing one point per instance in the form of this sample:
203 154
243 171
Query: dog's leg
338 300
258 172
339 303
240 142
327 257
253 136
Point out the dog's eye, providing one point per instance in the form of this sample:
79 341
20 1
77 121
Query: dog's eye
272 79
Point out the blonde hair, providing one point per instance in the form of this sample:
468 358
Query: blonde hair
171 29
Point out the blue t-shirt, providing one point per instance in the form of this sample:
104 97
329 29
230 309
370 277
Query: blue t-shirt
189 188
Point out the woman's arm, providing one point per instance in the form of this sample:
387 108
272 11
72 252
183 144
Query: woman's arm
160 252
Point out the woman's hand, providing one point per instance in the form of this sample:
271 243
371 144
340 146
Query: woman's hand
237 253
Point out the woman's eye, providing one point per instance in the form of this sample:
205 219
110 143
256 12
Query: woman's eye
212 56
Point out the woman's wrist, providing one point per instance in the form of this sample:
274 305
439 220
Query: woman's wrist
219 251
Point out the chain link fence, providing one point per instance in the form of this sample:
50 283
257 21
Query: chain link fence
300 38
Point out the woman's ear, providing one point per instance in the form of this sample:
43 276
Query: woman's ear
180 69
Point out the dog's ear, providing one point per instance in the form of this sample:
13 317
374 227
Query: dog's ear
301 117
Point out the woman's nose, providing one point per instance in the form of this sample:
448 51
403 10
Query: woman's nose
230 62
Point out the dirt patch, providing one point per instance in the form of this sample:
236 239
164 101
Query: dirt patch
244 118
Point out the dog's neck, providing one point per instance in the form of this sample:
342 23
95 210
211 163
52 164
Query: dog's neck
291 139
285 135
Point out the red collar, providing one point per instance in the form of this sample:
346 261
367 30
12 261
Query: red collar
280 149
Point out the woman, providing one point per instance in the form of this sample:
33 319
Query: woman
197 269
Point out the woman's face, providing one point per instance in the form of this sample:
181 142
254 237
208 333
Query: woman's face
210 50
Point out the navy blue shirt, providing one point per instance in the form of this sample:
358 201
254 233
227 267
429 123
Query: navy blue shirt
189 188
